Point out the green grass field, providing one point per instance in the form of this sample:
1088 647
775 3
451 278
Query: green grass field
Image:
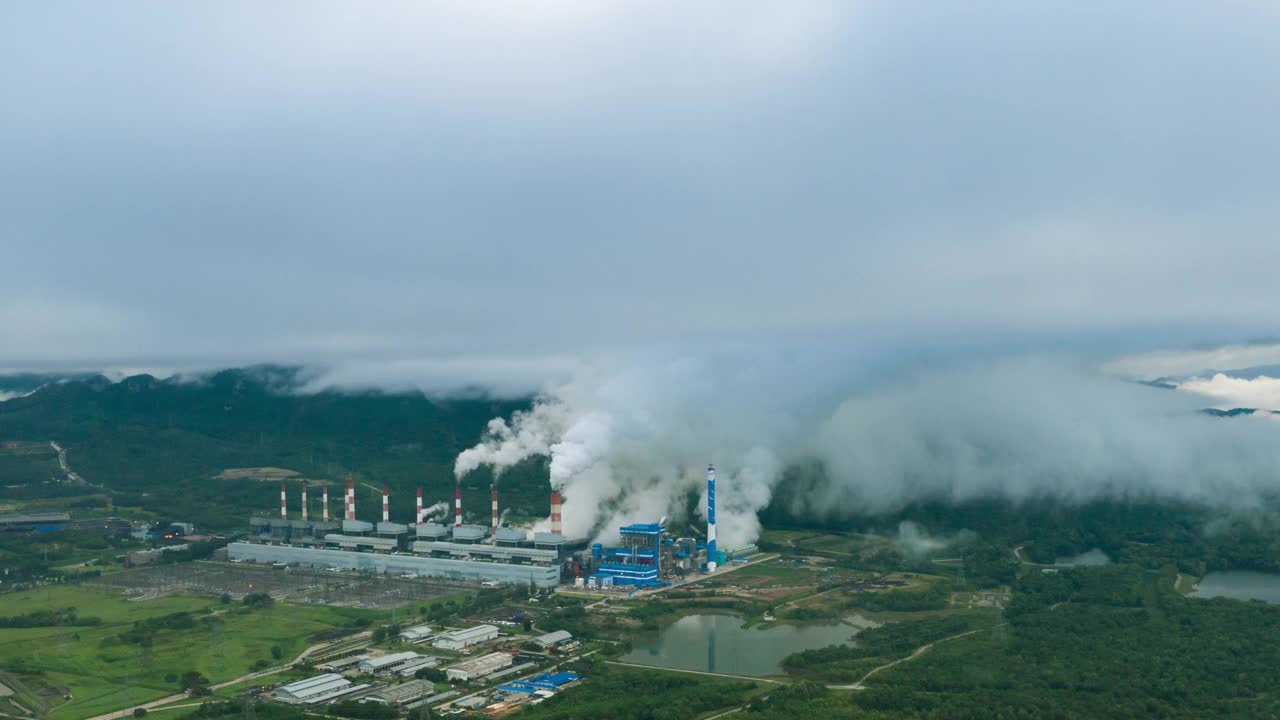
103 673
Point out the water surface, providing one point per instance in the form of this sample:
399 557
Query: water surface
719 643
1241 585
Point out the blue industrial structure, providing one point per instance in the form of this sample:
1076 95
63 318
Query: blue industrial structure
636 561
542 681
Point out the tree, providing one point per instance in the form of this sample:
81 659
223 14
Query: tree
432 674
139 712
527 624
277 652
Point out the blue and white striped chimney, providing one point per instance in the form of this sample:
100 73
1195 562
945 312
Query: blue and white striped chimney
711 518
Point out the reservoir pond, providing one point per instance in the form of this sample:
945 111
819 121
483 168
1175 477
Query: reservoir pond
1240 585
720 643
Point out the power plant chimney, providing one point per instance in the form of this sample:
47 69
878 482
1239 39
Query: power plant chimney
457 506
711 518
324 495
284 511
494 491
419 515
351 499
304 501
555 512
386 504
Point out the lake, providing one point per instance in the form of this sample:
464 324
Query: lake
720 643
1241 585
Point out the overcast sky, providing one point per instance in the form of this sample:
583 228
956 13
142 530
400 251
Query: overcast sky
497 189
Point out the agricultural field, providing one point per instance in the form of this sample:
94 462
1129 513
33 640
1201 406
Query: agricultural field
138 649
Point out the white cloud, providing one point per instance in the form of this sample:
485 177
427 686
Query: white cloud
1232 392
1175 363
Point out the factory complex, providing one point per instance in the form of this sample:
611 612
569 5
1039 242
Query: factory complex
644 558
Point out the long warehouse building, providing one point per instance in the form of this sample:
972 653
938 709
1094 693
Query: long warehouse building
543 576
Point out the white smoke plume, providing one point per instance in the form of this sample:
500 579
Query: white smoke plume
503 445
435 511
632 446
914 541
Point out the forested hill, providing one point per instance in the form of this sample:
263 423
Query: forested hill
160 443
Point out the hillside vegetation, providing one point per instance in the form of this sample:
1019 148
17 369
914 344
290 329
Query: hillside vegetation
158 444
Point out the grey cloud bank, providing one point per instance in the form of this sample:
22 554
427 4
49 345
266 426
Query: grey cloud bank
470 185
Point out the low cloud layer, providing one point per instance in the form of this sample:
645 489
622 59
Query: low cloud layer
631 446
475 193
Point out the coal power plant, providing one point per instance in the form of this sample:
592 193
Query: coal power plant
493 553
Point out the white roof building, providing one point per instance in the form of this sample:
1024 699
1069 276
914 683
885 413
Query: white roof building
315 689
404 692
462 639
553 638
342 662
386 663
417 634
478 667
418 663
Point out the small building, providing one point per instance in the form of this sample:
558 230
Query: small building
413 666
387 663
316 689
478 667
552 639
463 639
417 634
343 662
405 692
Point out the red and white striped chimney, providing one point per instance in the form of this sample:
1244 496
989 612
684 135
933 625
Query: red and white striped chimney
457 506
351 500
324 495
419 515
304 501
386 504
555 512
494 495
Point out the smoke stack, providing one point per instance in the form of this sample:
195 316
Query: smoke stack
457 505
386 504
555 512
711 518
351 499
304 501
324 495
284 510
419 516
494 491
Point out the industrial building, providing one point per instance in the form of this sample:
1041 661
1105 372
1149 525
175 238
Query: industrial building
468 670
343 662
403 693
552 639
417 634
461 552
318 689
387 663
413 666
644 557
541 683
463 639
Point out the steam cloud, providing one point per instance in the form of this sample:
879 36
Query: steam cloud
632 446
